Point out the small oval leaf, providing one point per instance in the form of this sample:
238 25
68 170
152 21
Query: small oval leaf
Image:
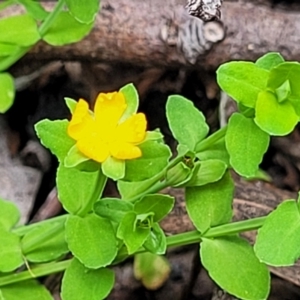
232 264
92 240
7 91
81 283
65 29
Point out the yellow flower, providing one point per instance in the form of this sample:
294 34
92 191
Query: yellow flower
101 135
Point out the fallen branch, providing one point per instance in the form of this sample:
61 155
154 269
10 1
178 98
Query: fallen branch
161 33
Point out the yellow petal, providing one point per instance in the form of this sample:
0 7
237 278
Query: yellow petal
109 108
81 122
93 147
133 130
123 150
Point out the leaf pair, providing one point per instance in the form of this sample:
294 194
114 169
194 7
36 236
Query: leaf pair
138 223
269 86
189 128
225 257
268 95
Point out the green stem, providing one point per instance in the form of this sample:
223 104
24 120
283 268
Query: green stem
174 162
180 239
51 17
10 60
195 236
212 139
39 271
156 184
235 227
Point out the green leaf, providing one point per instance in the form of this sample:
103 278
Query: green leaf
246 144
10 251
184 151
187 123
216 151
153 270
7 91
242 81
89 166
20 30
34 9
132 100
66 30
130 189
273 117
283 92
81 283
156 241
112 208
232 264
53 135
278 240
75 157
51 249
76 188
269 60
8 49
71 104
133 235
211 204
159 204
9 214
286 71
25 290
83 11
4 4
295 101
113 168
91 240
155 157
155 135
246 111
210 171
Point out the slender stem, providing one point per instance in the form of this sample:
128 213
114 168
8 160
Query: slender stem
41 270
180 239
186 238
235 227
212 139
153 189
174 162
49 20
156 184
195 236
